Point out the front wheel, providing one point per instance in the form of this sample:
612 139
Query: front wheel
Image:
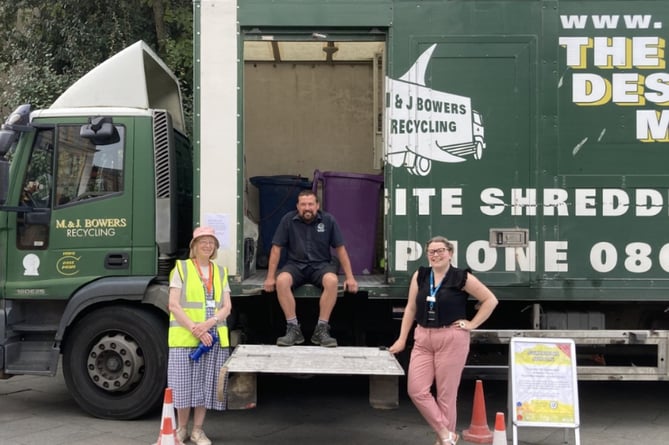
115 362
478 150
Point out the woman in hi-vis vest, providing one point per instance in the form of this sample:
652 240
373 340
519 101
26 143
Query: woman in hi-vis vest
199 306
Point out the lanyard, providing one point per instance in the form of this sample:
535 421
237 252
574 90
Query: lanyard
206 284
433 291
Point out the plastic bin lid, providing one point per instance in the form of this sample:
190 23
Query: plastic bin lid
280 180
377 178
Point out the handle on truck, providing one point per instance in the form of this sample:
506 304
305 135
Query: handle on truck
318 176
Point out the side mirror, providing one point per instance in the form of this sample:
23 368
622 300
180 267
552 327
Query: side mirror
17 122
4 180
100 131
7 139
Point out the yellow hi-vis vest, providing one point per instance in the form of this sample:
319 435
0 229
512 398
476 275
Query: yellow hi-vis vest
193 302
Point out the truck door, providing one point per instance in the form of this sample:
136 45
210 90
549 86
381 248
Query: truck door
460 133
71 226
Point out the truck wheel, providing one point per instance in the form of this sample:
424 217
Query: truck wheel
115 362
421 167
478 153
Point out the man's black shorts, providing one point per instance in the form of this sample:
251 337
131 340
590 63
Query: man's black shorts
309 274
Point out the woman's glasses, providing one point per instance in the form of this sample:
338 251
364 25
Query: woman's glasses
440 251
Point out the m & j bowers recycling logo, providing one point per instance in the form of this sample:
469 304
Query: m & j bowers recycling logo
425 125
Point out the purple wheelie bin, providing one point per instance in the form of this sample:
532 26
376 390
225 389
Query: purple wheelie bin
353 199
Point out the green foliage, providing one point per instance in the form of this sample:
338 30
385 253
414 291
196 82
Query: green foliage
46 45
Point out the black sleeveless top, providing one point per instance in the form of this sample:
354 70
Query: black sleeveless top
451 304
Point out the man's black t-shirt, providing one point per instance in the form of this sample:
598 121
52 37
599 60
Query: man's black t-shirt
308 244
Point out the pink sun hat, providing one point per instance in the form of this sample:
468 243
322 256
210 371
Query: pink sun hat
199 232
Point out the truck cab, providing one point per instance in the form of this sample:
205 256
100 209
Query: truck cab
96 206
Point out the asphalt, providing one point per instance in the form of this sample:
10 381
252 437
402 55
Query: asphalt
330 410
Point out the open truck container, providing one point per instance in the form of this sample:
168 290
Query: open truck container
533 134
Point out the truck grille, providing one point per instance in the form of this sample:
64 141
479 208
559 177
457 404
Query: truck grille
165 266
161 137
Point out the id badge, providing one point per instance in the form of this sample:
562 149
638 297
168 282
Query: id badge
211 303
431 315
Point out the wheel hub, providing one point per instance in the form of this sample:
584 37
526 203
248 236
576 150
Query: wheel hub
115 362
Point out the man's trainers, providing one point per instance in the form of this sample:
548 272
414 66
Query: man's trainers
199 438
293 336
322 336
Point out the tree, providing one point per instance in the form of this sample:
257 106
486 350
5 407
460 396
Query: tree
175 45
47 45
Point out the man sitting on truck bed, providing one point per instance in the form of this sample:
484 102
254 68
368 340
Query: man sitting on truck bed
308 234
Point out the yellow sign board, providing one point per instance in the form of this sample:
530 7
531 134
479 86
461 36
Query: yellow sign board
543 383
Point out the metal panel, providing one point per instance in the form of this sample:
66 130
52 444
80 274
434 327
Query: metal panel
248 360
621 339
346 360
332 13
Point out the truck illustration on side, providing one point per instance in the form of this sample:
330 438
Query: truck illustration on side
426 125
561 209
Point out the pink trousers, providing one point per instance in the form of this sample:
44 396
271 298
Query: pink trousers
438 356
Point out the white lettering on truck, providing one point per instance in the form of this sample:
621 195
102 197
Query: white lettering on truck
91 227
620 52
494 201
604 256
635 257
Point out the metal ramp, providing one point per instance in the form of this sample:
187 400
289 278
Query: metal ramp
244 364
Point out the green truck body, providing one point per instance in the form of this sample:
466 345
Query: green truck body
533 134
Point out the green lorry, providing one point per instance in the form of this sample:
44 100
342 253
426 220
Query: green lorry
533 134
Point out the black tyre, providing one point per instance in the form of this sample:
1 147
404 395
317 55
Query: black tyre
115 362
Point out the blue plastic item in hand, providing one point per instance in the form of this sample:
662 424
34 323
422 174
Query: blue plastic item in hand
203 349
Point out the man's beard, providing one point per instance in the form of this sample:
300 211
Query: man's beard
306 218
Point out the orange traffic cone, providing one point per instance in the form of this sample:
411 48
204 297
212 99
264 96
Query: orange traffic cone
499 436
478 431
167 434
168 422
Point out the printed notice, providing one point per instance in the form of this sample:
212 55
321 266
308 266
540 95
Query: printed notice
544 390
221 224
